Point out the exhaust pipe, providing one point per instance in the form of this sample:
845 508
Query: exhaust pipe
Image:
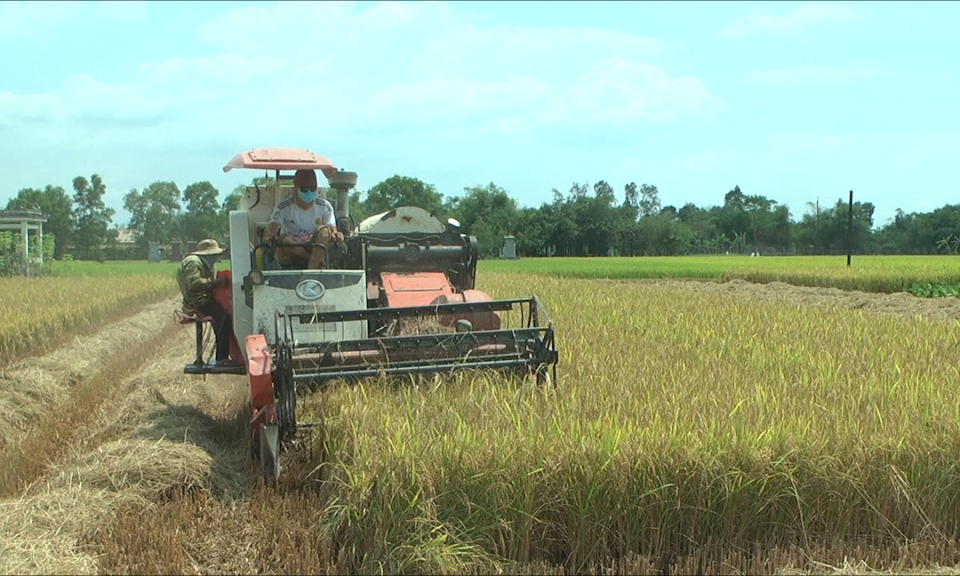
343 181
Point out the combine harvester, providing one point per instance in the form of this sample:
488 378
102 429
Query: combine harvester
300 328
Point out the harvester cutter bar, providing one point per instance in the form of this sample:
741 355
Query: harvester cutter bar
411 311
442 341
531 346
421 368
361 363
426 353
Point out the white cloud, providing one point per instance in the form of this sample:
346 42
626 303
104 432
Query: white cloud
225 71
394 41
813 75
449 100
618 92
610 96
800 19
283 28
421 66
546 51
206 95
419 77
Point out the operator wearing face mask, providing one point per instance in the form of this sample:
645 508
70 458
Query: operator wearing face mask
301 219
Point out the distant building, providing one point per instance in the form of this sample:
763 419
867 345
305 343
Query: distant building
126 236
509 250
24 222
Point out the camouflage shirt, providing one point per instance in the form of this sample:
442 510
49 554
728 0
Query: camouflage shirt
196 281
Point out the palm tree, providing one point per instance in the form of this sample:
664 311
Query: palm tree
948 244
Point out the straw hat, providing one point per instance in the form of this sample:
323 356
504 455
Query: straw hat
208 247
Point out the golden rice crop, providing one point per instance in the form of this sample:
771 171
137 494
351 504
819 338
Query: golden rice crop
680 421
864 277
36 314
867 273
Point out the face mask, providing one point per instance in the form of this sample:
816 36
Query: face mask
308 195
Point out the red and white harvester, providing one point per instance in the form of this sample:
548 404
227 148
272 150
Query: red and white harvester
297 329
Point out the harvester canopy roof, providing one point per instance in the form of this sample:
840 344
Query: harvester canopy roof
281 159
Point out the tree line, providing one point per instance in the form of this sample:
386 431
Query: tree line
584 221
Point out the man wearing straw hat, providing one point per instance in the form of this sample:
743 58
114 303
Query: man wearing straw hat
197 278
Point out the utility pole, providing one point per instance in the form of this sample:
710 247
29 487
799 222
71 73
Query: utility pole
849 228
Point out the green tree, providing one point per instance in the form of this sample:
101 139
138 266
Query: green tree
926 229
631 198
532 231
654 234
93 218
201 218
829 234
358 210
487 212
598 220
230 202
56 206
603 190
732 219
702 225
768 223
947 244
734 199
649 202
155 212
403 191
562 228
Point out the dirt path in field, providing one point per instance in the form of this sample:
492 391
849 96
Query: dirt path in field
157 431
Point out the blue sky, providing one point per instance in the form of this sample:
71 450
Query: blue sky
797 101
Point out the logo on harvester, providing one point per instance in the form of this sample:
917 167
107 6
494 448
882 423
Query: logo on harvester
310 289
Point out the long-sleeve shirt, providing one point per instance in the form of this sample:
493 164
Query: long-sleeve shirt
196 281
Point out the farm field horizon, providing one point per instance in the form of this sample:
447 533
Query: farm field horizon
694 427
893 269
873 273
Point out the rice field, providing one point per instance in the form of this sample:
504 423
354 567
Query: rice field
867 273
38 314
693 428
681 422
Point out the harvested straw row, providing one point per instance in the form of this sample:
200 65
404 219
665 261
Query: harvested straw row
148 443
